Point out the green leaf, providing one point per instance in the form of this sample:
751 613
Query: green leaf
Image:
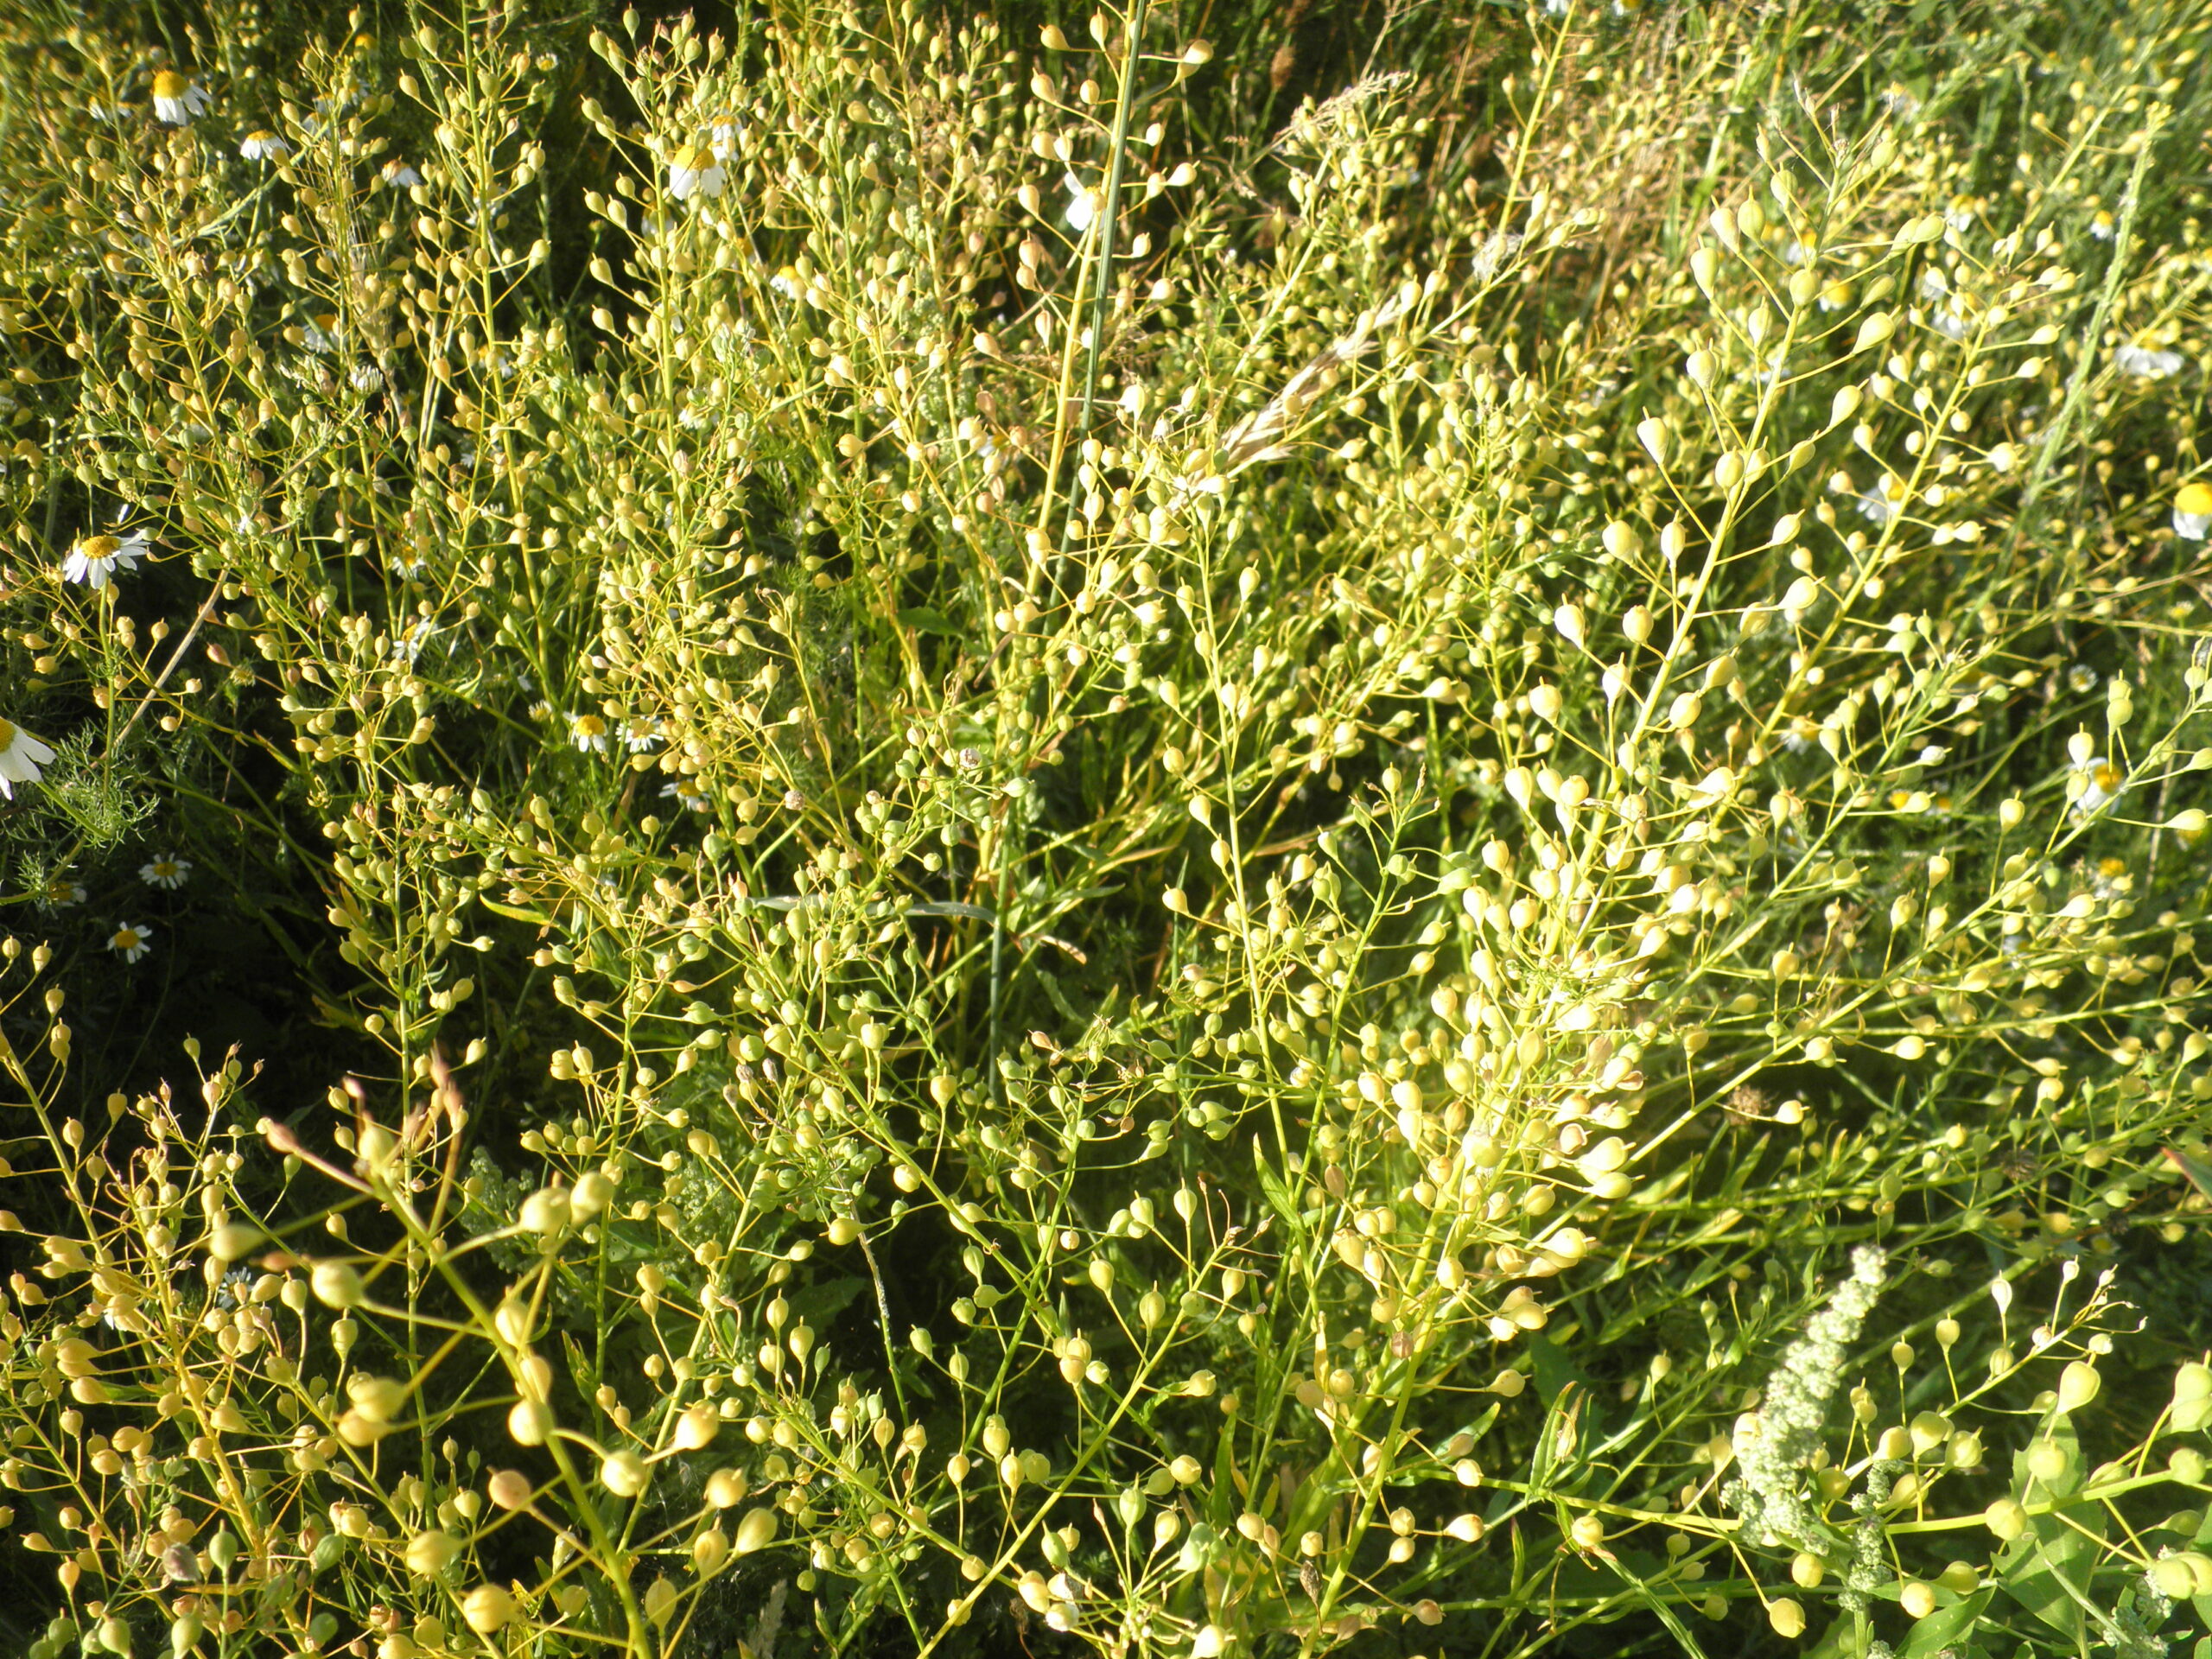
1931 1636
1271 1184
922 619
2047 1568
2199 1172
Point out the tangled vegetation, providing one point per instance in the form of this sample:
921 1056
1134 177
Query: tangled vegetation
1188 832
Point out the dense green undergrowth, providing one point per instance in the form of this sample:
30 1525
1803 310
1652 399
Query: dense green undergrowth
1166 833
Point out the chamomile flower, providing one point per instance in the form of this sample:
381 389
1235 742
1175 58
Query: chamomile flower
640 732
397 176
264 146
2101 226
20 757
2111 879
786 283
62 892
2101 783
1882 503
365 377
130 941
2193 512
686 795
588 733
320 335
2080 677
724 134
1083 202
695 171
168 872
177 100
2148 362
407 647
95 559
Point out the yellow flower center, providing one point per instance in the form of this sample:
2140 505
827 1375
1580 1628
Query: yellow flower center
125 938
2109 868
695 158
98 547
2195 499
2106 777
7 737
169 83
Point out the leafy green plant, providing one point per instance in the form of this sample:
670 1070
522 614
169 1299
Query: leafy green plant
1091 878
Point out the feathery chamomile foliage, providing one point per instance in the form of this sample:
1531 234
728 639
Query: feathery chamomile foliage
1088 866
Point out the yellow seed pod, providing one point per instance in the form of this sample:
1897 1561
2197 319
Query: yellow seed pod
1787 1616
756 1531
430 1554
2077 1386
623 1473
1806 1570
1917 1599
2007 1518
530 1422
2047 1462
697 1427
487 1608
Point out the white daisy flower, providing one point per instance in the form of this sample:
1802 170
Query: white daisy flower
1084 203
640 732
2146 362
61 894
95 559
264 146
2193 512
724 135
168 872
2101 226
695 171
2080 677
588 733
686 795
399 176
2102 783
409 646
365 377
1882 503
321 333
177 100
130 940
